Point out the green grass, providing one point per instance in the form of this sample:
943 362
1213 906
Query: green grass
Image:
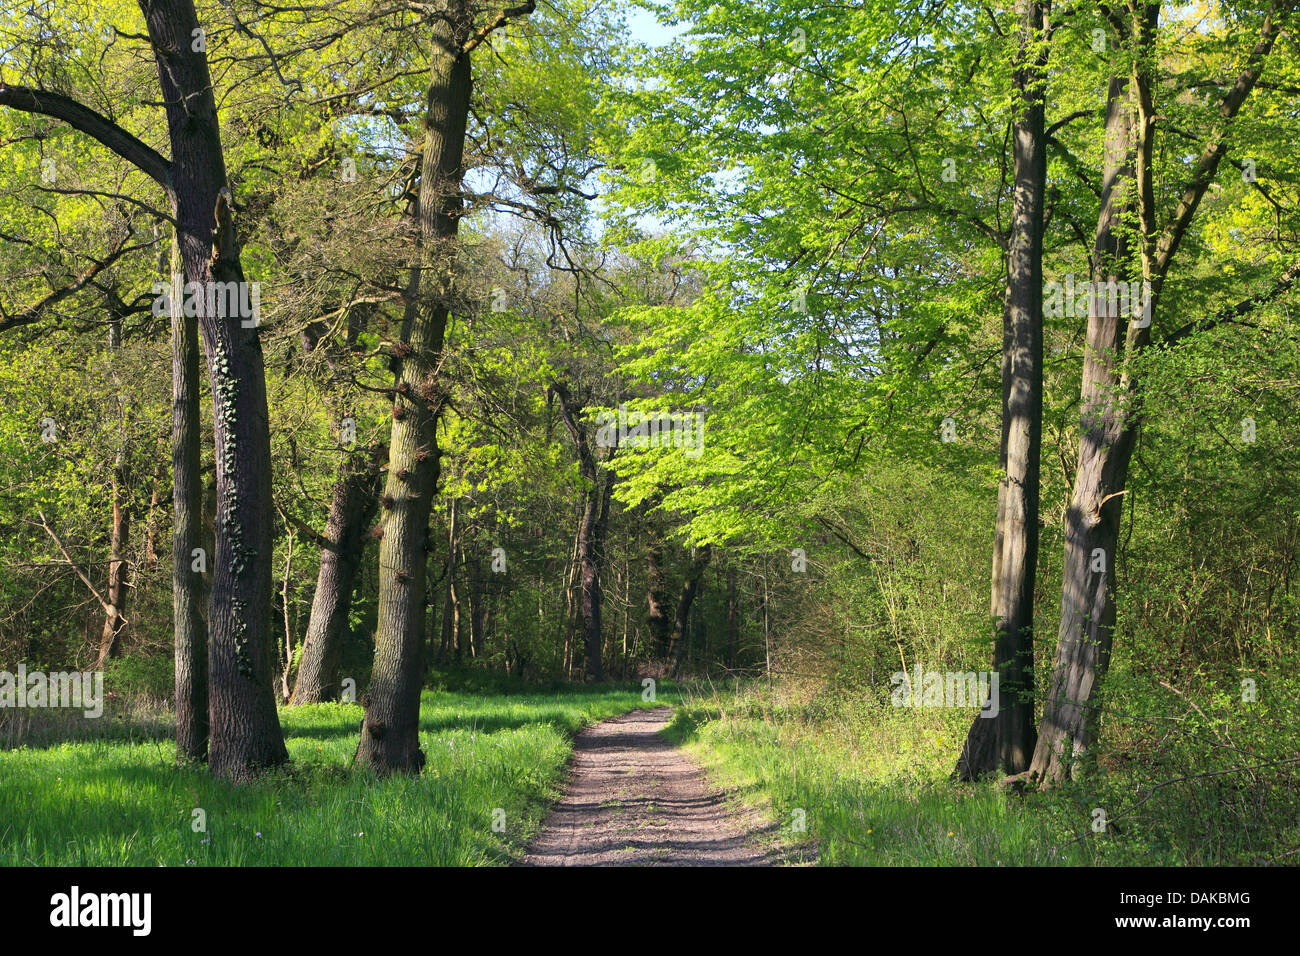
118 803
873 782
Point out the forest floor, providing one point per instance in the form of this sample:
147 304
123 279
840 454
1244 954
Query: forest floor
728 775
635 799
110 793
869 784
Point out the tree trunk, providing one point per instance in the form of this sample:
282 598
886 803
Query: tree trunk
286 665
733 623
114 630
1092 523
659 623
1111 407
591 530
188 627
593 562
1006 741
389 732
449 595
477 604
245 729
151 520
352 507
457 645
691 588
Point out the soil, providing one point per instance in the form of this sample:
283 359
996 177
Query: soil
636 800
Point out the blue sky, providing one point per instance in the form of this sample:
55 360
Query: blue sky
645 27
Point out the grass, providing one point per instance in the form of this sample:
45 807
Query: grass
873 784
872 791
114 802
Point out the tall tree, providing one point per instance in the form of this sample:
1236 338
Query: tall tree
1007 740
245 731
389 731
598 490
1110 414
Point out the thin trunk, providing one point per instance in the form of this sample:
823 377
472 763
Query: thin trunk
767 629
151 521
659 623
114 630
286 665
691 588
1006 741
188 627
457 645
733 623
477 605
572 604
352 506
625 575
449 596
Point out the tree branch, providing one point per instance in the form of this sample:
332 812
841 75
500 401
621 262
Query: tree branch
34 313
86 120
525 8
1208 164
1233 313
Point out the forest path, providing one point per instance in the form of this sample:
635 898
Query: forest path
636 800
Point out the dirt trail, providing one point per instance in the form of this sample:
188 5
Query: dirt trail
636 800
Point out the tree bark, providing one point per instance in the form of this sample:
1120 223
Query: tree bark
151 519
733 623
659 623
449 592
691 588
477 604
114 630
591 531
389 732
1111 407
245 730
1006 741
352 506
1088 609
188 627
